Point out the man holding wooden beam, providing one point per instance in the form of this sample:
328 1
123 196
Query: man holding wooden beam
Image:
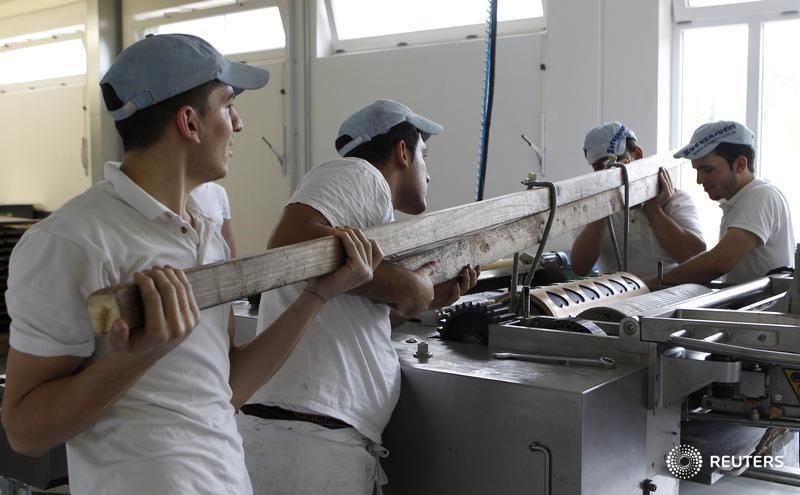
321 417
150 409
665 228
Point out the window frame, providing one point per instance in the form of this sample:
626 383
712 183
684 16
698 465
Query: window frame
52 82
755 21
753 106
683 13
429 36
141 25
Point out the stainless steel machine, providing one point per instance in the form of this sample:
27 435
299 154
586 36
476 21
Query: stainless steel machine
585 391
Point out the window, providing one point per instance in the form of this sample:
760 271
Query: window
779 146
236 32
711 89
752 77
693 10
42 56
430 21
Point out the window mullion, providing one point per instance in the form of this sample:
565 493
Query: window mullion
754 56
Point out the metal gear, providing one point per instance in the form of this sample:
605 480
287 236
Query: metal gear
469 321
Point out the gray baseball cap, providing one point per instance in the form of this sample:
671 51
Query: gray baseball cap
606 139
378 118
162 66
708 136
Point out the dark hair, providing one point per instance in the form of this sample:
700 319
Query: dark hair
146 126
730 152
378 150
630 144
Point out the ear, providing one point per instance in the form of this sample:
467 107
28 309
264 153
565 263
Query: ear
187 123
740 164
638 153
402 155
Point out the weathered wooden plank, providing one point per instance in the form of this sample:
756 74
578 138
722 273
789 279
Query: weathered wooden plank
466 234
526 233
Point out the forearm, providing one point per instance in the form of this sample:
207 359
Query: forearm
57 410
253 364
587 247
398 287
701 269
680 243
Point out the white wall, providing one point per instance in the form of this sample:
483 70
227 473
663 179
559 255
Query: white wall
256 188
445 83
605 60
41 143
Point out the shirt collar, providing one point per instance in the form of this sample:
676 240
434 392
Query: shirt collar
726 204
131 193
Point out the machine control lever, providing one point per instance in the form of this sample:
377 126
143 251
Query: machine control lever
602 361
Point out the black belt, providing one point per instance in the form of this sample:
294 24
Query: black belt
275 412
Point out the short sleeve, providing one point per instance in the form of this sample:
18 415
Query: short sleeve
760 215
49 281
683 210
347 192
224 203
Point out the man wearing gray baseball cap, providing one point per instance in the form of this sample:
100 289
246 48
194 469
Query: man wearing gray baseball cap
150 409
756 228
665 228
318 423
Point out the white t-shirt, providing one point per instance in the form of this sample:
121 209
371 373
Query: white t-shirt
644 248
213 199
760 208
174 430
345 366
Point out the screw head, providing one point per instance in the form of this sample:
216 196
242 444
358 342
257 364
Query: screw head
629 328
778 397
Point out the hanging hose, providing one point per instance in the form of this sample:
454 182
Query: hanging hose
488 98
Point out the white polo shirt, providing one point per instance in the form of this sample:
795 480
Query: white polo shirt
173 431
761 209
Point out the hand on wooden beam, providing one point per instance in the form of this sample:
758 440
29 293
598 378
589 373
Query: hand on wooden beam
363 255
448 292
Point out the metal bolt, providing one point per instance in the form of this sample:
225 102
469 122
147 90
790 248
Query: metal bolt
762 338
422 351
648 486
629 328
778 397
411 340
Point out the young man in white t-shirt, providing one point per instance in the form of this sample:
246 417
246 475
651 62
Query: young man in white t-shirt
665 228
756 233
151 409
320 419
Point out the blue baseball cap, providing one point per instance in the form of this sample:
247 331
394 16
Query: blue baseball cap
606 139
708 136
165 65
378 118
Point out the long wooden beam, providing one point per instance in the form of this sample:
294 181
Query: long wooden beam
474 233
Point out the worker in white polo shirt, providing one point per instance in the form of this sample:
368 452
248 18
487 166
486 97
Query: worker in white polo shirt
148 410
